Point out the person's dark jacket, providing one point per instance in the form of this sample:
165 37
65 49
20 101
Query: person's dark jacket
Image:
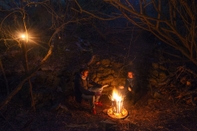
130 82
81 87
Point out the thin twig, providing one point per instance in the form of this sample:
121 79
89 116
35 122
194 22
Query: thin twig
8 122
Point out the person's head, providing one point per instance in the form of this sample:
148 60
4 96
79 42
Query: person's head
130 74
84 72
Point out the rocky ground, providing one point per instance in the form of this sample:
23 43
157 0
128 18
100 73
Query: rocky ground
147 114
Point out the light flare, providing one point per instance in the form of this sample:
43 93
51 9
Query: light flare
24 37
116 95
117 109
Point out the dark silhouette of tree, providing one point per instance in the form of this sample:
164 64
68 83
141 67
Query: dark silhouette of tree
41 24
172 21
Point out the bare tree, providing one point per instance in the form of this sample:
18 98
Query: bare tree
172 21
16 22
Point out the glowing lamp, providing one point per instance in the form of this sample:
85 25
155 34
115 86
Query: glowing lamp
24 37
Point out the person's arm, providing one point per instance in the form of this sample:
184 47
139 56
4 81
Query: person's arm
127 86
82 88
93 84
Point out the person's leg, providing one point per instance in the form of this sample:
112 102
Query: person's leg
90 98
96 90
130 97
78 97
133 97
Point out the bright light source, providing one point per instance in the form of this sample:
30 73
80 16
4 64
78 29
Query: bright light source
24 37
117 110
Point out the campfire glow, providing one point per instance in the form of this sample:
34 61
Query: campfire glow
117 110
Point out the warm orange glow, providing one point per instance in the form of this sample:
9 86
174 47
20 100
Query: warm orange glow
116 95
117 110
28 37
24 37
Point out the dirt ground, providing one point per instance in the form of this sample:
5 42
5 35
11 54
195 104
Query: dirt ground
146 115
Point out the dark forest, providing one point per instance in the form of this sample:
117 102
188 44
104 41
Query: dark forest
45 43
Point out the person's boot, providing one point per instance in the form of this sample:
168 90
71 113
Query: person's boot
98 104
94 111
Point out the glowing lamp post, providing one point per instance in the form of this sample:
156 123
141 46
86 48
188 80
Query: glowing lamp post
24 38
117 110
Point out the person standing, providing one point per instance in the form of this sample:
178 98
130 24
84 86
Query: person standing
130 88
